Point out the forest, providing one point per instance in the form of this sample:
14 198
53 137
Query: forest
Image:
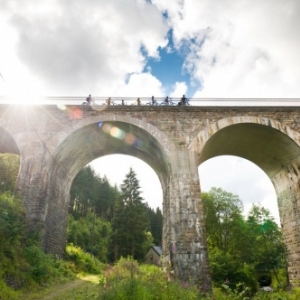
111 228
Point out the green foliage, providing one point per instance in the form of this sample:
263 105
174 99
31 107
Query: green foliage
241 250
93 198
7 293
12 223
89 193
9 169
130 221
226 268
127 280
91 233
156 223
41 267
266 238
22 262
83 261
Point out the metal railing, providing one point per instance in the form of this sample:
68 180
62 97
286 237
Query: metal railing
159 101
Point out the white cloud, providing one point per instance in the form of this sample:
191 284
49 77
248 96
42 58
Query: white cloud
241 48
87 46
179 88
141 85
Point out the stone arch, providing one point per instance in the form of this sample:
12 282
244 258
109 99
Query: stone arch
152 130
244 136
88 142
275 148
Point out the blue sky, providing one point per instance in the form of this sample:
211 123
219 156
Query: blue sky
169 68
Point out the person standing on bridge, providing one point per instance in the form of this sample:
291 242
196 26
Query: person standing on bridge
108 101
138 101
153 101
183 100
89 99
167 100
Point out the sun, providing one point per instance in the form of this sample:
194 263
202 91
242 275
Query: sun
19 94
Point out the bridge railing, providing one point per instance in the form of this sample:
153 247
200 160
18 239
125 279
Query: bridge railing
160 101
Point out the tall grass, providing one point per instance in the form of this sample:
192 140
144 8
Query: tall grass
128 280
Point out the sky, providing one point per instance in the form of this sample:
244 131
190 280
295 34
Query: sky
139 48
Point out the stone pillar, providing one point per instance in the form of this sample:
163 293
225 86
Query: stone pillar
56 221
287 183
32 182
184 229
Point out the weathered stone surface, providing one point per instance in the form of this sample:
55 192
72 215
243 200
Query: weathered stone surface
54 144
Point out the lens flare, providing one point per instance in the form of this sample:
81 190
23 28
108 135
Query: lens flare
129 139
61 106
120 134
75 113
139 144
117 133
106 128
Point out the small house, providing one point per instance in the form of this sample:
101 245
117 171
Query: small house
153 256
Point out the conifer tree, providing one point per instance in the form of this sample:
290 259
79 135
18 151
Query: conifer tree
130 221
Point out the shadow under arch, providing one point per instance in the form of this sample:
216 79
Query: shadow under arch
8 143
268 148
80 148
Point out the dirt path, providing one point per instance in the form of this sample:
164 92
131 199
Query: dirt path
61 290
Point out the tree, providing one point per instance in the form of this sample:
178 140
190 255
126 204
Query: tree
89 192
130 220
90 233
224 220
82 193
156 221
265 237
240 249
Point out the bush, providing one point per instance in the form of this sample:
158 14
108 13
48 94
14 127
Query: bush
83 261
12 223
7 292
127 280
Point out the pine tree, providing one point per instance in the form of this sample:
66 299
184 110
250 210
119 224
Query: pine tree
130 220
156 220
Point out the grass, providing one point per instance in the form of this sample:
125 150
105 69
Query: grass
84 287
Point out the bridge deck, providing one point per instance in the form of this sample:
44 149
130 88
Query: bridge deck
146 101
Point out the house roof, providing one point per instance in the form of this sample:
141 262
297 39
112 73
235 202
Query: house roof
157 249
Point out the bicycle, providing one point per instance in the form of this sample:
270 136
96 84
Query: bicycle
186 102
152 103
92 102
169 103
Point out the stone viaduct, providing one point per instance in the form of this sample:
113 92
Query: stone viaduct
56 142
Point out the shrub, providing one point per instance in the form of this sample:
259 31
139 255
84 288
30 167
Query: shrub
7 292
127 280
82 260
12 223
